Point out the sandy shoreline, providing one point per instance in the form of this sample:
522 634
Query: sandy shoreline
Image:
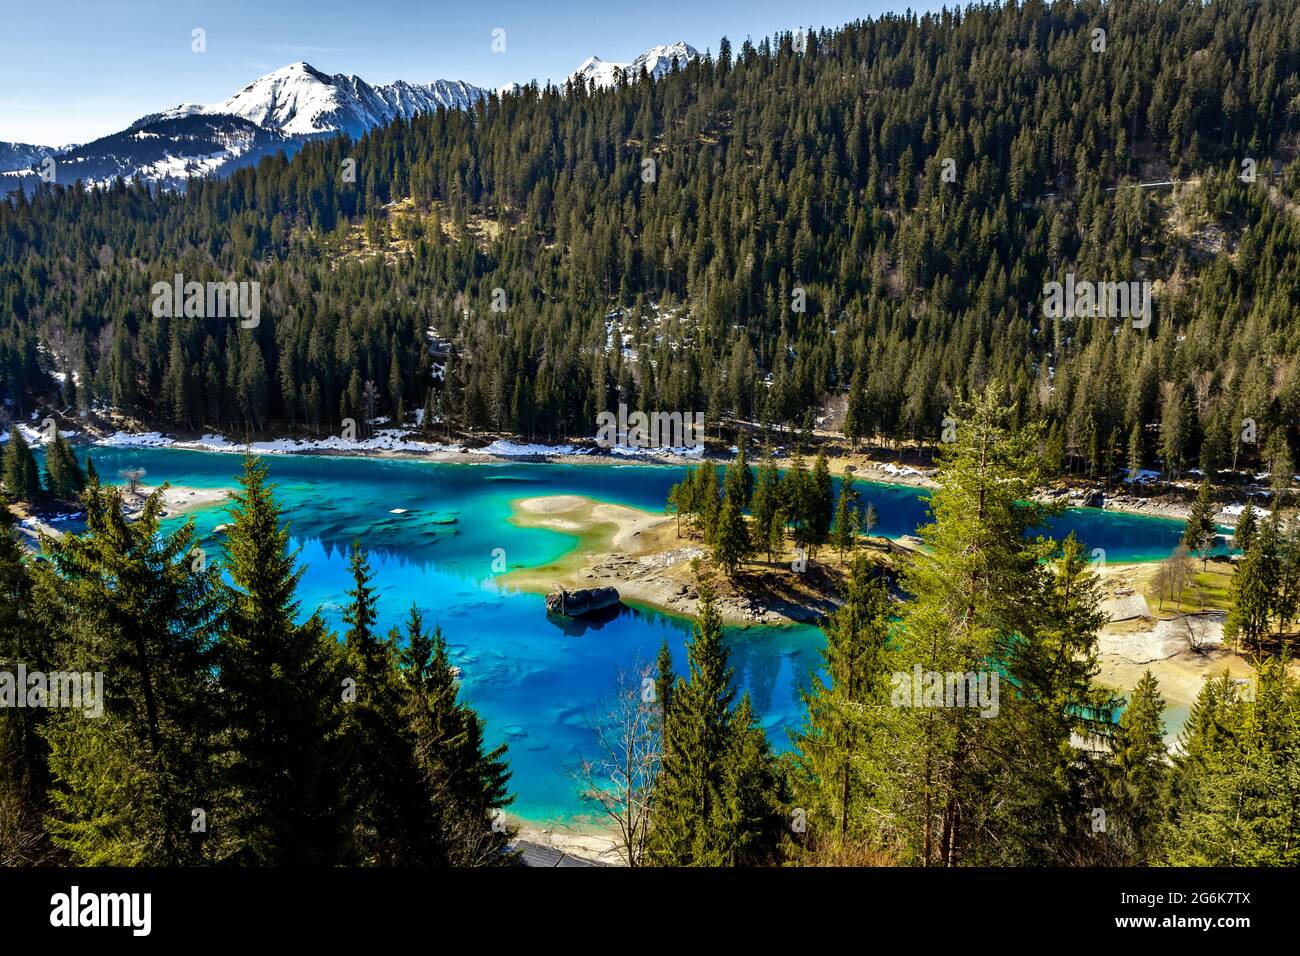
639 553
395 445
586 841
177 500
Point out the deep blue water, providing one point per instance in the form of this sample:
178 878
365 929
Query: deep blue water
537 685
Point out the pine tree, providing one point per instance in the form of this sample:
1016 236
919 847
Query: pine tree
1247 525
665 680
1050 658
135 608
767 502
22 481
1135 452
1200 531
63 476
281 766
1233 787
1286 595
846 712
468 782
845 534
386 794
706 500
24 754
971 604
1139 774
731 541
821 504
1254 589
744 822
696 740
738 482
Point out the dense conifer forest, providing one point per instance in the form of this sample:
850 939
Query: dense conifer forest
868 220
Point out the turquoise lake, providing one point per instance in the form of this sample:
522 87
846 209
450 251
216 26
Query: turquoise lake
536 685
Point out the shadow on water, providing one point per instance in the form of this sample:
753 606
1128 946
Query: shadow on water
592 621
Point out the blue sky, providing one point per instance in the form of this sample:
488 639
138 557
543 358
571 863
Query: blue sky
72 70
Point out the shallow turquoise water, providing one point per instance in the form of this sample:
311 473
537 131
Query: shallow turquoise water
536 684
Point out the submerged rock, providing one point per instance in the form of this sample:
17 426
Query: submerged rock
581 601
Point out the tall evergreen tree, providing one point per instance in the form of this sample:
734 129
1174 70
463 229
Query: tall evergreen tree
1247 525
63 476
1200 531
22 481
731 542
386 795
133 784
767 502
1234 787
847 719
467 780
1138 775
1254 589
704 812
283 788
845 532
24 754
971 616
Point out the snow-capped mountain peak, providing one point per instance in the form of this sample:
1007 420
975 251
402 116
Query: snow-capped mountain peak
299 100
657 61
291 99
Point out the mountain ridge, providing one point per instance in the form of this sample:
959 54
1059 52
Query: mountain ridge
284 108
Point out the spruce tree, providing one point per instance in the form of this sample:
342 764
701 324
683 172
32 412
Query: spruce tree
63 476
1233 787
1254 589
1135 452
22 481
847 719
386 795
1140 768
845 532
468 782
1200 531
706 502
821 504
745 823
731 542
135 784
1247 525
767 501
696 741
1049 703
972 608
665 681
738 481
24 754
282 689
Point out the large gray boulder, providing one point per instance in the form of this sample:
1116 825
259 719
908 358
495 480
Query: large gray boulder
581 601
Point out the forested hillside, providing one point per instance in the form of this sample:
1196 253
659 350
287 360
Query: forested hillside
799 224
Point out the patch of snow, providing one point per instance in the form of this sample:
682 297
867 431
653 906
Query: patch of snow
141 439
385 439
685 451
510 449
